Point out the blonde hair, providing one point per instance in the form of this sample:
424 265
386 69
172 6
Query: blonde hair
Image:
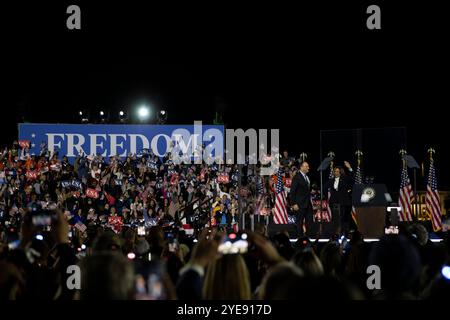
282 282
227 278
309 262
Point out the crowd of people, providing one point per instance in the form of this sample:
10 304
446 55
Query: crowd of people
161 227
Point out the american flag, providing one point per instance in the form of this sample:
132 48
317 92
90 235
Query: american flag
432 200
327 214
80 226
260 201
280 215
358 180
405 197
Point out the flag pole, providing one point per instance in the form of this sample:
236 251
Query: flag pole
321 187
303 157
357 179
430 152
241 215
402 153
416 197
330 216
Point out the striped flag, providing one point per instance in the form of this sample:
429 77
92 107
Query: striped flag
405 197
432 200
260 201
326 215
80 226
358 180
280 215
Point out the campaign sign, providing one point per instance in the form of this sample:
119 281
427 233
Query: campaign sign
24 144
92 193
71 183
31 175
223 178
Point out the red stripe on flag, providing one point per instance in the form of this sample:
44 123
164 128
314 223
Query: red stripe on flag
354 214
433 207
405 199
280 213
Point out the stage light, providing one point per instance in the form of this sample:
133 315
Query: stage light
143 113
162 117
122 116
84 116
103 117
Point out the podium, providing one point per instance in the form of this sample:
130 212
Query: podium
370 201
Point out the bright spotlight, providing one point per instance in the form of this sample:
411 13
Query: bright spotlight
84 116
102 113
162 116
143 113
122 116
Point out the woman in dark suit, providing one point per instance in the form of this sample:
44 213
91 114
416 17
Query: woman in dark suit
340 201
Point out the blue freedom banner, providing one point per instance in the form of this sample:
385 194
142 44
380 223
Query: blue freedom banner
110 140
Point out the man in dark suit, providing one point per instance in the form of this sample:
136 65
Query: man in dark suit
340 201
300 197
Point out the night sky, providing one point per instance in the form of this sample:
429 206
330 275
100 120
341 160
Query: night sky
300 69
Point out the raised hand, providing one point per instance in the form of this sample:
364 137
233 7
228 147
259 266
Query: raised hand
347 165
207 246
264 249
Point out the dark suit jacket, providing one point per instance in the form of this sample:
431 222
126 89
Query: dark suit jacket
300 193
342 196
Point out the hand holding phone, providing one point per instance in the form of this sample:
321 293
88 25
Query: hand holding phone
173 245
234 244
141 230
41 218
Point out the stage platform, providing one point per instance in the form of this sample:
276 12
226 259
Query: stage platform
322 240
